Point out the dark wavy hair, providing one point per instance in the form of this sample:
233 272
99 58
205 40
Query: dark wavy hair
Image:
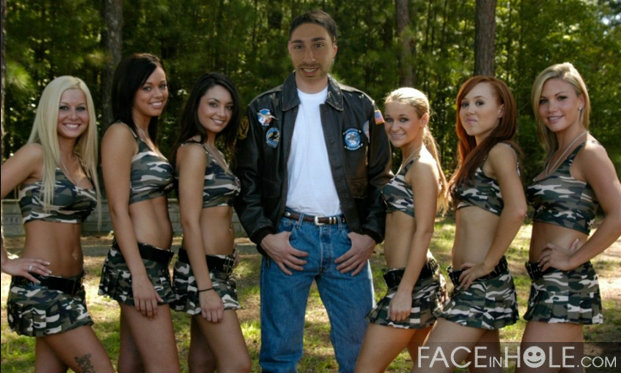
131 74
472 156
190 125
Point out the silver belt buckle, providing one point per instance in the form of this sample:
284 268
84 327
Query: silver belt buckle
317 222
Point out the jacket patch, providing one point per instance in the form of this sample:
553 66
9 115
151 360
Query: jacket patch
264 116
272 137
352 138
379 119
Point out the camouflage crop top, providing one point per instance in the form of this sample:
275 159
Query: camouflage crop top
70 203
562 200
151 174
398 193
482 191
220 186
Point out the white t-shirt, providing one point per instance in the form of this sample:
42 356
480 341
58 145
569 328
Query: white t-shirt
311 187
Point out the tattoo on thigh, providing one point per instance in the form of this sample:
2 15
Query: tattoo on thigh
85 364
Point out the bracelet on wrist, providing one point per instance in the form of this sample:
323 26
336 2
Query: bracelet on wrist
206 289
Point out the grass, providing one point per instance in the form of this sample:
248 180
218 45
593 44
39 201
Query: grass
18 352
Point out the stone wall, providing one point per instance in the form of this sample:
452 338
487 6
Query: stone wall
12 220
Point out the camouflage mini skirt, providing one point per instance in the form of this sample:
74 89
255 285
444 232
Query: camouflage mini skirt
565 297
186 289
427 297
36 310
489 303
116 279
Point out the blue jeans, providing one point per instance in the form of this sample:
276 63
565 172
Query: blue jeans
348 299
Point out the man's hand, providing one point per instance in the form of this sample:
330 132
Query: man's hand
287 257
356 257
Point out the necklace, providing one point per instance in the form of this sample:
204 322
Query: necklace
68 174
553 165
413 155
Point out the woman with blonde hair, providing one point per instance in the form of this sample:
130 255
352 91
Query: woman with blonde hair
416 289
56 175
577 178
491 206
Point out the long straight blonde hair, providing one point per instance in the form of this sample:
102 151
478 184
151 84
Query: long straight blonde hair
45 133
420 103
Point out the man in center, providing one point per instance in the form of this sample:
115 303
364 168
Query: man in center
311 166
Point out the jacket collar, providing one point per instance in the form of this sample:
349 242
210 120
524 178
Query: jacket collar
290 97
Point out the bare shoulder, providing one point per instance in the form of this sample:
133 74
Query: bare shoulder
593 151
503 149
424 171
192 152
28 157
118 130
118 138
30 152
592 161
25 166
501 159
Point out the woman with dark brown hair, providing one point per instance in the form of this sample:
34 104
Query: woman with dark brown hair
137 178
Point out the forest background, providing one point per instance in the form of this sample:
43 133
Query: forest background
433 45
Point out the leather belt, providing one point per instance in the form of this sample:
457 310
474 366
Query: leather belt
535 272
213 262
500 268
393 277
150 252
69 286
317 220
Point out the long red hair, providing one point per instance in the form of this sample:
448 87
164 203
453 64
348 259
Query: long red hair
472 156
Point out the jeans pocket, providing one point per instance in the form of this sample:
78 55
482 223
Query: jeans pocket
288 225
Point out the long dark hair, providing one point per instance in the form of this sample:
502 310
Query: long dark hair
472 156
190 125
131 73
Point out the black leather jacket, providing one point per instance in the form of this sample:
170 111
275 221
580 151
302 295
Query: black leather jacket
358 150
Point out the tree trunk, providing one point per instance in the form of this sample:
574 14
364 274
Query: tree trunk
3 84
113 46
402 16
485 34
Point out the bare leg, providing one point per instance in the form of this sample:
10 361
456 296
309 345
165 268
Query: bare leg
490 343
154 338
129 358
380 346
79 349
200 357
540 338
449 341
46 360
417 340
226 342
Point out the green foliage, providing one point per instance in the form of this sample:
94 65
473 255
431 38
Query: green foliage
246 39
